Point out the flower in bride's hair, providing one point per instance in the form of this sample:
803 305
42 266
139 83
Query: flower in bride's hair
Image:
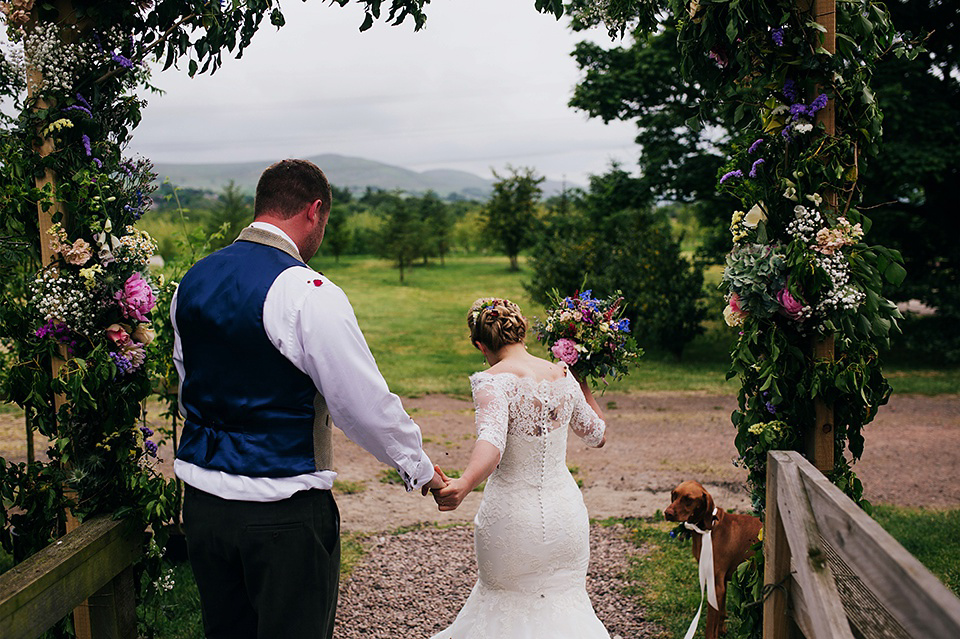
566 351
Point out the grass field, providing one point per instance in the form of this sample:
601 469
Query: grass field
418 333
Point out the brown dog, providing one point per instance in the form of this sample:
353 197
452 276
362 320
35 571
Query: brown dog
732 537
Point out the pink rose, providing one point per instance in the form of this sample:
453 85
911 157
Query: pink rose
136 299
733 315
566 351
788 305
117 334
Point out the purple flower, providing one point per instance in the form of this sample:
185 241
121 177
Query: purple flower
150 447
566 351
790 90
147 431
818 103
84 102
732 174
756 165
756 145
86 144
124 62
82 109
777 36
771 408
98 163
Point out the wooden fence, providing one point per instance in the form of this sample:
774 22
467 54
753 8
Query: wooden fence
841 575
92 563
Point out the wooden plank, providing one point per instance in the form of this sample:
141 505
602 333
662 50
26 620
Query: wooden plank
113 608
868 618
826 618
776 560
916 598
38 592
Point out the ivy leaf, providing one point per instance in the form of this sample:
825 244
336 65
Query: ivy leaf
895 274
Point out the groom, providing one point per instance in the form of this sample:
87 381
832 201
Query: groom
268 350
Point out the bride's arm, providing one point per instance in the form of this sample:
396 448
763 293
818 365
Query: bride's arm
483 460
492 416
588 421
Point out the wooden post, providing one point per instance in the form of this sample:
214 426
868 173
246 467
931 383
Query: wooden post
45 214
776 562
820 439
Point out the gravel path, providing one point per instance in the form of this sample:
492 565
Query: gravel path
397 589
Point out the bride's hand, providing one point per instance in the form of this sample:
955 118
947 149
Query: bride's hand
450 497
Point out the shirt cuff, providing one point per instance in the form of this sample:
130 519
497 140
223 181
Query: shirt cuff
420 474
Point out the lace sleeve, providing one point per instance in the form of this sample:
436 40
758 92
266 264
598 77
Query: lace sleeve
490 402
585 422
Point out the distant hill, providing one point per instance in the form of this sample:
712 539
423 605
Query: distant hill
353 173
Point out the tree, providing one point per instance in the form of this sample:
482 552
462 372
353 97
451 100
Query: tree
337 236
911 187
681 145
614 240
233 212
437 226
401 238
511 211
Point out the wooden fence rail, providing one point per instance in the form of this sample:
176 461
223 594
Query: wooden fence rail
841 575
91 562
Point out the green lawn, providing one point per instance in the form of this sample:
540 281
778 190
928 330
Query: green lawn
418 332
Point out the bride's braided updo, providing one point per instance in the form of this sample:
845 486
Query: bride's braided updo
496 322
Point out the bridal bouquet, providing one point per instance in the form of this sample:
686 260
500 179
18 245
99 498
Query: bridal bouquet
589 335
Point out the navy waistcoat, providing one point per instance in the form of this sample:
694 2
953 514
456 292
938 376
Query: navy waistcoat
249 410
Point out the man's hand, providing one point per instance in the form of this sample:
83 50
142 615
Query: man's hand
439 481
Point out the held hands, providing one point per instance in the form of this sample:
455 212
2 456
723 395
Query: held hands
452 494
439 481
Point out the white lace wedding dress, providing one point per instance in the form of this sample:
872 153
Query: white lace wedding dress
532 532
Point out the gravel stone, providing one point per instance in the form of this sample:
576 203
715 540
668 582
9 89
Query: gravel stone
413 584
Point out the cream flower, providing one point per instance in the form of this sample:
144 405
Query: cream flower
754 216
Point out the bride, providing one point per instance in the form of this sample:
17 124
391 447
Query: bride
531 533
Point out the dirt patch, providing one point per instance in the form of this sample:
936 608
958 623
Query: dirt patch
654 441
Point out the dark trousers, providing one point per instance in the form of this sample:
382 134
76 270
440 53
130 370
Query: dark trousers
265 570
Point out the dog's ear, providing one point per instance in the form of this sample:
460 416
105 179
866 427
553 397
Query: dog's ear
708 519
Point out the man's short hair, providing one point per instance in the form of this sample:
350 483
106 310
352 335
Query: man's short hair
289 186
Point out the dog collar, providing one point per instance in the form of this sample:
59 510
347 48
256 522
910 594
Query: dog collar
696 528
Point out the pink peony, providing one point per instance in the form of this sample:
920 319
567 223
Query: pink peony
136 299
788 305
566 351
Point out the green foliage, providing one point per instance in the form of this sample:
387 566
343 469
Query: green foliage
232 213
511 212
611 240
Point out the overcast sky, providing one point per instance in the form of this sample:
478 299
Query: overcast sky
486 83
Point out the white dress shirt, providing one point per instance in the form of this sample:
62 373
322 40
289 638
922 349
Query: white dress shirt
313 326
